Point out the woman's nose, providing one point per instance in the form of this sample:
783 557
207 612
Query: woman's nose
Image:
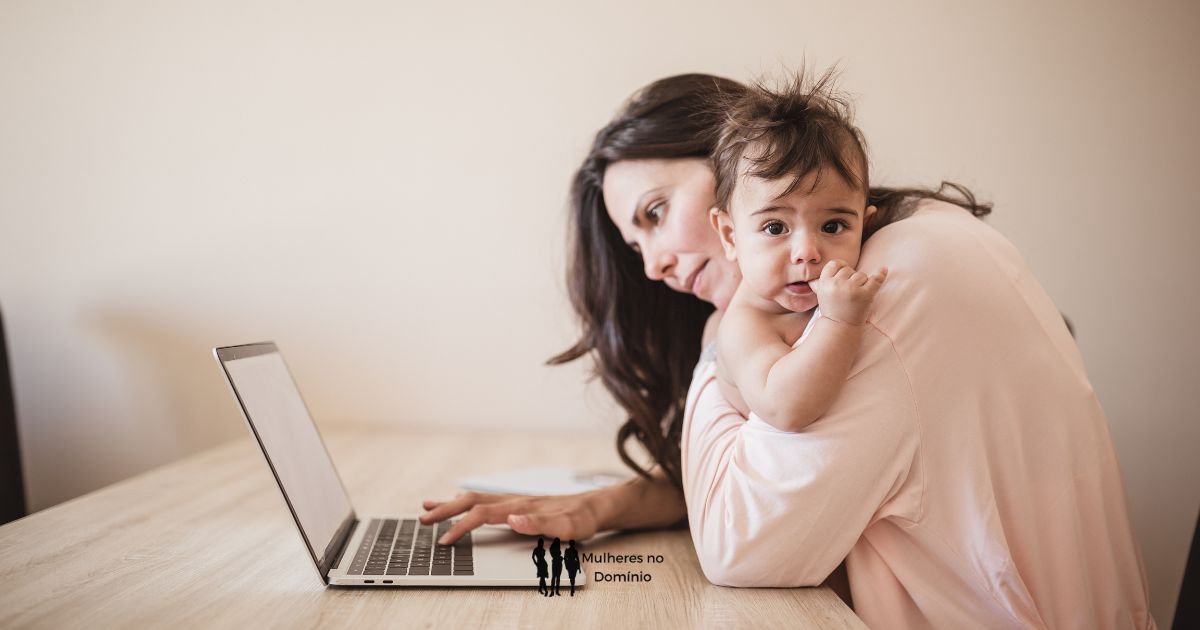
658 263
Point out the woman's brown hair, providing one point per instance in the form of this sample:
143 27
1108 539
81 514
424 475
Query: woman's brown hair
643 336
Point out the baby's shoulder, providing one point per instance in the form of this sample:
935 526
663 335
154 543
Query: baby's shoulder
743 316
735 325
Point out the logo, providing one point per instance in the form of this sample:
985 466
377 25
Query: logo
553 570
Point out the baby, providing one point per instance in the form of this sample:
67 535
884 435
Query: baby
792 192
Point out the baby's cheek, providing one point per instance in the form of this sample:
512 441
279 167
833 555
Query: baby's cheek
762 278
765 285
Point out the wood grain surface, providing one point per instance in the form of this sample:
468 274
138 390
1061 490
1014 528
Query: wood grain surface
208 542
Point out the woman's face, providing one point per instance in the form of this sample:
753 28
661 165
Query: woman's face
661 207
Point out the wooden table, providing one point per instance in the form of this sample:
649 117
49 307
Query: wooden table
208 542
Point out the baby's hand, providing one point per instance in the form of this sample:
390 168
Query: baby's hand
846 295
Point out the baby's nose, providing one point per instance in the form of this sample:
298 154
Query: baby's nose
805 250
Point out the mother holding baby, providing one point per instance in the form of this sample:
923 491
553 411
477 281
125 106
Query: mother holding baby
963 468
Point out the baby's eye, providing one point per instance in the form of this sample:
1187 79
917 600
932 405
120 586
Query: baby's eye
775 228
834 227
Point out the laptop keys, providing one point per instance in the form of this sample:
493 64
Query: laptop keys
364 548
406 547
464 561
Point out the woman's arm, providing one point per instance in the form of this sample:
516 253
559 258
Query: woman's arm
642 504
635 504
639 503
838 581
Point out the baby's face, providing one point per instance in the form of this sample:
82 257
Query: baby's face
781 242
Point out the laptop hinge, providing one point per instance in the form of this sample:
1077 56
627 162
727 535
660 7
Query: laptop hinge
345 532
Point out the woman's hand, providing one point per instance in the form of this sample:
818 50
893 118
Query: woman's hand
567 517
635 504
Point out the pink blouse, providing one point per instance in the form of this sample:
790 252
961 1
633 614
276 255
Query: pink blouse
966 472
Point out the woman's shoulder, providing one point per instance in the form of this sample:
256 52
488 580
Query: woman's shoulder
938 233
925 226
939 258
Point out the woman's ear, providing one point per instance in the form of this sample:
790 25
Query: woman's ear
723 224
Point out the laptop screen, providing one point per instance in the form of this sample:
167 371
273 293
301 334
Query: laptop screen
293 447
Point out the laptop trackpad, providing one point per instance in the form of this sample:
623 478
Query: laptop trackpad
501 535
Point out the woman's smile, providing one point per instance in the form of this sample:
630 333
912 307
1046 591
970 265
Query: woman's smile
693 283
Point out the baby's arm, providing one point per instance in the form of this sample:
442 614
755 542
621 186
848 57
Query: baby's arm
729 390
790 388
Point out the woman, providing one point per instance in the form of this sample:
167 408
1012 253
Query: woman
571 560
966 471
557 567
539 561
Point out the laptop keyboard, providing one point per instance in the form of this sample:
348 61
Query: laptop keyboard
405 547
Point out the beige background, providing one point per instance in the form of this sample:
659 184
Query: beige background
381 189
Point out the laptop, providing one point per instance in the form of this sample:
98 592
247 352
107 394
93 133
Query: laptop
348 549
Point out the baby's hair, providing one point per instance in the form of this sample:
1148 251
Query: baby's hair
803 126
799 127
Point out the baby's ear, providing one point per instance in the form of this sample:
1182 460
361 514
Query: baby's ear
723 224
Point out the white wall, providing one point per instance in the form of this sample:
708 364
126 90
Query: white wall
381 189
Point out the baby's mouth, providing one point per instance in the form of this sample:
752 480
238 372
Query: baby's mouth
798 288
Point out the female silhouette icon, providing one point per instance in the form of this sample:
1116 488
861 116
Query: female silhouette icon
539 561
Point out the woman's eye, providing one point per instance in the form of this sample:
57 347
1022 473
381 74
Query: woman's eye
775 228
655 211
834 227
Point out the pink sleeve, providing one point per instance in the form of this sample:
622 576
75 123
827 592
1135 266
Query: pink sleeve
769 508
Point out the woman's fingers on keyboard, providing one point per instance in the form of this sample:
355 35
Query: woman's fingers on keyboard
566 517
442 510
480 514
564 525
